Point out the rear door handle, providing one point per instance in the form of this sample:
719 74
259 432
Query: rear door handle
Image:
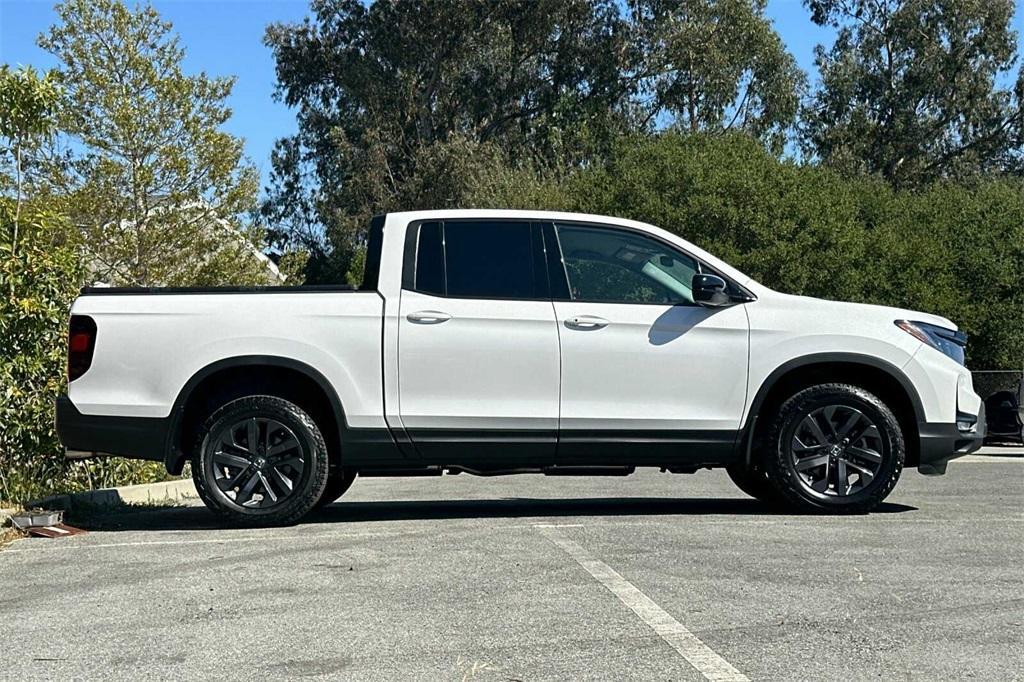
428 317
586 322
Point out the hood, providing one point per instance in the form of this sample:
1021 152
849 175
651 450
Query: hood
879 312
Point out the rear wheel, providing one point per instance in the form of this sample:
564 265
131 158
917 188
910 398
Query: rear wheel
260 460
834 448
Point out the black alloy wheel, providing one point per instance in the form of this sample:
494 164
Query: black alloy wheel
260 460
834 448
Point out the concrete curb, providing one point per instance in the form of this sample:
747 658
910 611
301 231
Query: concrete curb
147 493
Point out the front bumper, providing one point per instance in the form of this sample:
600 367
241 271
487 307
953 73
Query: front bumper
941 443
86 435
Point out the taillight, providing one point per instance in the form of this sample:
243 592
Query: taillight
81 342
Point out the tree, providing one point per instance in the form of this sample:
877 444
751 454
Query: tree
713 65
385 91
27 102
910 90
148 175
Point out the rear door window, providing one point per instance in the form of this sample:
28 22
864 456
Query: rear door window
497 259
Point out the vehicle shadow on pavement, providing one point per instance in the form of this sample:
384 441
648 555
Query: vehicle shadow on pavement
199 518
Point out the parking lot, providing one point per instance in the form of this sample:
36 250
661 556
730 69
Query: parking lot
654 576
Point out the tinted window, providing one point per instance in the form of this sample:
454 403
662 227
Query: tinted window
430 260
489 259
613 266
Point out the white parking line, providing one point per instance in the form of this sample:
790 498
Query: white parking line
697 653
988 459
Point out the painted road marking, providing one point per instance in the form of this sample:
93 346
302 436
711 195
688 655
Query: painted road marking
697 653
989 459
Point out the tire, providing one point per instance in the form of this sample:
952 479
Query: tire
834 448
274 482
338 482
754 482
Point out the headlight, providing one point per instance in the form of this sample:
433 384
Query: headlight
946 341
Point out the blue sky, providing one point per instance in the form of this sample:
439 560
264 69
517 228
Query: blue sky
225 37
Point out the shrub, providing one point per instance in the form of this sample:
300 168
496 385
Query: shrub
39 279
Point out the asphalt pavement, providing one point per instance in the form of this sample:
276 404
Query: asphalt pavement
649 577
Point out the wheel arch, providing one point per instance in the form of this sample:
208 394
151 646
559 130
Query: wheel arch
882 378
233 377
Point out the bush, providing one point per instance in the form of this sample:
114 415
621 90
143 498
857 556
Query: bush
38 282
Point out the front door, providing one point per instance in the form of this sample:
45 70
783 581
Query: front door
478 344
644 369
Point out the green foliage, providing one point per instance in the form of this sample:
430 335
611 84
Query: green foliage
26 117
711 65
145 170
389 95
27 101
404 105
910 89
958 250
38 282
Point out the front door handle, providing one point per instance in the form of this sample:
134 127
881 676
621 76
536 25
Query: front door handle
428 317
586 322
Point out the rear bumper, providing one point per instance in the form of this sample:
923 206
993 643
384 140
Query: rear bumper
88 435
941 443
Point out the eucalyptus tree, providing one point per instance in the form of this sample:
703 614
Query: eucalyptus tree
914 90
398 103
715 65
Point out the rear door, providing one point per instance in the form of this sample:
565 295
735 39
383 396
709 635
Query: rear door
644 369
478 342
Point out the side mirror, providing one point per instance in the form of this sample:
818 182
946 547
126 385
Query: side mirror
709 291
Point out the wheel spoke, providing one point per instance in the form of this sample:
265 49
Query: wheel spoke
811 462
294 462
812 423
230 460
852 421
245 494
820 485
864 453
289 443
865 430
842 483
283 482
227 484
800 448
253 434
866 475
267 487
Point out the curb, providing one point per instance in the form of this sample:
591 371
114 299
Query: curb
147 493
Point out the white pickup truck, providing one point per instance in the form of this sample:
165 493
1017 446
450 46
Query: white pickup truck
501 342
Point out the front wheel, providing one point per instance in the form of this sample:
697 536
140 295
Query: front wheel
834 448
260 460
